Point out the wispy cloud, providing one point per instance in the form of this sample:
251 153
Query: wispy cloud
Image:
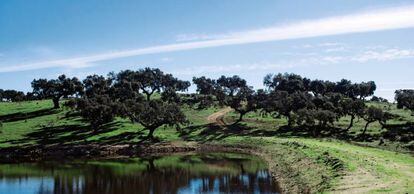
328 47
166 59
198 37
260 66
320 45
368 54
385 19
237 68
305 60
384 55
336 49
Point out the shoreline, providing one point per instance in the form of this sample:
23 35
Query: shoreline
92 151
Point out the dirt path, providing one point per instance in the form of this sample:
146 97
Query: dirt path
217 117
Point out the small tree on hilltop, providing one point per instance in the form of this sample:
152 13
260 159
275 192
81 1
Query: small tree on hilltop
278 103
57 88
319 112
405 99
365 89
206 89
353 108
316 119
373 114
12 95
285 104
205 86
243 102
235 93
229 91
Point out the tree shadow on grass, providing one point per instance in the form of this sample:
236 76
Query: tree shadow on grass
399 132
122 138
212 132
75 135
27 115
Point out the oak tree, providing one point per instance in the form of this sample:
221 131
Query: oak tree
57 88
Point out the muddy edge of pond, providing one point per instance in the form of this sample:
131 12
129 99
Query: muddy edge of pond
94 151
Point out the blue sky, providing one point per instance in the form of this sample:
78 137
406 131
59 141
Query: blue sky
323 39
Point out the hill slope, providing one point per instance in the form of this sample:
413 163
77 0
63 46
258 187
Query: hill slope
298 161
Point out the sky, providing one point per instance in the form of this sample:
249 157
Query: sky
359 40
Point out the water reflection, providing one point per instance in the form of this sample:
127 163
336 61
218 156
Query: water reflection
201 173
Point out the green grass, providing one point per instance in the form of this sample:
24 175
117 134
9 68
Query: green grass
393 170
322 162
54 127
23 107
259 122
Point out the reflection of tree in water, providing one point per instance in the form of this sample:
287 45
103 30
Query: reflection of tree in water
103 180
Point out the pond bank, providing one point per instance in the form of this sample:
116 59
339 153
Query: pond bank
288 167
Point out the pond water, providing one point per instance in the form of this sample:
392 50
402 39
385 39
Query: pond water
195 173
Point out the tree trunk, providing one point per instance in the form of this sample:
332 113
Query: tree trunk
151 167
240 118
315 131
148 94
290 122
351 123
383 124
151 133
56 104
365 129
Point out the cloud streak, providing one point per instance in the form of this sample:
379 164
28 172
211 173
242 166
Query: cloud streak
303 60
260 66
385 55
385 19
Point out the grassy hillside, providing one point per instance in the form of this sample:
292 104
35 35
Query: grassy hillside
333 162
36 123
397 136
337 166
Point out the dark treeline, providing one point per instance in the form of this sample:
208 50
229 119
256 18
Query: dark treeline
314 104
311 104
152 98
16 96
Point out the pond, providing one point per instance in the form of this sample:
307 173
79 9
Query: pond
191 173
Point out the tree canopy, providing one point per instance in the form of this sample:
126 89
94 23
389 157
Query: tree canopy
229 91
405 99
122 94
12 95
148 81
153 114
57 88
